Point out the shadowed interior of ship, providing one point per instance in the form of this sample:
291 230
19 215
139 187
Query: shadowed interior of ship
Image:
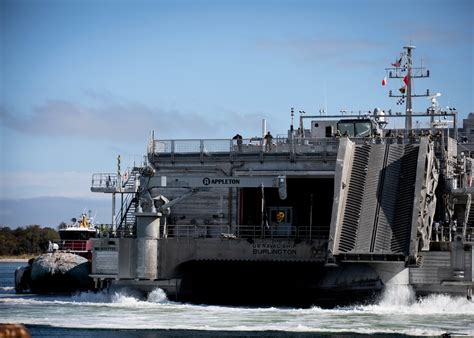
309 199
297 284
255 283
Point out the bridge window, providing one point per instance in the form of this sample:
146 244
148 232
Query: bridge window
355 128
346 128
363 129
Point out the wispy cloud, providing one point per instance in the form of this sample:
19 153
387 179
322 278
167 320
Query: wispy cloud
51 211
108 118
60 117
420 33
32 184
317 48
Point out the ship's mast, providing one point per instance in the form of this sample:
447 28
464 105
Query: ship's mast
409 107
403 69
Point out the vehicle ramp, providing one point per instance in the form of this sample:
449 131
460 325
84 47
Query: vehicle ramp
384 201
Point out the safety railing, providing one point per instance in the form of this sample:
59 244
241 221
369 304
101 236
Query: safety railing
111 182
235 147
245 231
74 245
104 181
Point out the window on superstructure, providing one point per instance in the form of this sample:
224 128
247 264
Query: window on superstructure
362 129
344 127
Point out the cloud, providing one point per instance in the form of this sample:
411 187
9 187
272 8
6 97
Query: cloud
64 118
318 48
435 35
31 184
51 211
108 118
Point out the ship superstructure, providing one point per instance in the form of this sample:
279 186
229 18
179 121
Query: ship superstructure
76 236
331 211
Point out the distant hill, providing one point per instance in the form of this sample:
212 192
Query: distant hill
51 211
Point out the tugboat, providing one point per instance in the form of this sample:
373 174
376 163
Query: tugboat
66 265
76 237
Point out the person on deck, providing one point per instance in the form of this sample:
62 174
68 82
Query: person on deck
238 138
268 141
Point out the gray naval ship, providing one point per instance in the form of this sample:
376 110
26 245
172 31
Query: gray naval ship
332 212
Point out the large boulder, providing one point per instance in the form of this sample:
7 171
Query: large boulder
23 279
60 272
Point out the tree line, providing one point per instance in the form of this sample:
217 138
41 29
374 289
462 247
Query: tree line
31 240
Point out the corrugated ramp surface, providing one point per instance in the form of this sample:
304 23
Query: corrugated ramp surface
378 205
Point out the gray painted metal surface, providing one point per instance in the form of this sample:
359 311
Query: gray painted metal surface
373 208
380 191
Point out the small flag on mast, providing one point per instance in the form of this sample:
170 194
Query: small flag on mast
397 63
384 81
406 79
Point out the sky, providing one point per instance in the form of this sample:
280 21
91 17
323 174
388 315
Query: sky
83 81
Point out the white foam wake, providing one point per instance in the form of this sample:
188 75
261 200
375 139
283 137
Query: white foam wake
123 297
401 299
157 296
6 288
397 295
398 311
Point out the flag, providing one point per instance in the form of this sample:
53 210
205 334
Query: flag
403 89
397 63
406 79
384 81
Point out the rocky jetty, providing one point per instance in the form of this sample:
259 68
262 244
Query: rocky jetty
56 272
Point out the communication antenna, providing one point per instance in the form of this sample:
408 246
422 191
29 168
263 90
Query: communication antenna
325 99
434 108
403 69
434 102
292 113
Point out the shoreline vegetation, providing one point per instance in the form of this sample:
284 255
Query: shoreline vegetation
25 243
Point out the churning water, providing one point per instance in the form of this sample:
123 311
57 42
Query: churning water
397 311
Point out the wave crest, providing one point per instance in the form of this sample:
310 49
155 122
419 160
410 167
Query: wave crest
157 296
401 299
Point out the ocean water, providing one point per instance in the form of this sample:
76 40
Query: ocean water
122 313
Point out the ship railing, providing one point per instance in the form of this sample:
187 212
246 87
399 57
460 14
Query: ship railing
245 231
74 245
210 147
104 182
256 145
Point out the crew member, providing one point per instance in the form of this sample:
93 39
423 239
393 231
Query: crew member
268 141
238 138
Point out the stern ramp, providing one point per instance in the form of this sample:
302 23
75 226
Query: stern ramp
384 201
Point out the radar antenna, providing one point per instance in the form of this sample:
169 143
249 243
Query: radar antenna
434 108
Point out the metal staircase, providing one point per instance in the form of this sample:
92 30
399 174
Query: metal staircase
470 223
125 220
126 185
